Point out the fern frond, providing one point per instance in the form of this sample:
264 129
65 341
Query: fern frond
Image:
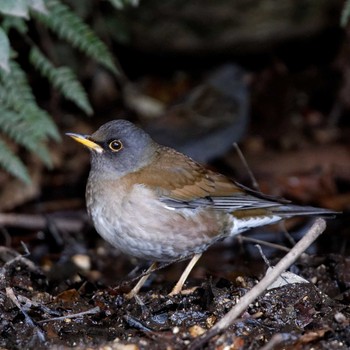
61 78
14 22
18 8
19 130
4 51
12 164
68 26
16 94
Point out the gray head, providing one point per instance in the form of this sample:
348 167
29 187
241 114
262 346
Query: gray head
118 148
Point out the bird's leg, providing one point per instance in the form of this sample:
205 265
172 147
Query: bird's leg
178 286
141 281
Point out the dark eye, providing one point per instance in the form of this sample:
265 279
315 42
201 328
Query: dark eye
115 145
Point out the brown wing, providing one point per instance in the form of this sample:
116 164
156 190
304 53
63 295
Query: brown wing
179 178
182 183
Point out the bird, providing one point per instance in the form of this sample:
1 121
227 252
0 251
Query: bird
156 204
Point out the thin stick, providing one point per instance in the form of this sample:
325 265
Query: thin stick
275 340
92 311
7 237
249 171
287 235
40 222
267 262
315 230
267 244
11 295
256 186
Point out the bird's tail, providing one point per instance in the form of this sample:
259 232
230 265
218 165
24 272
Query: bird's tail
288 210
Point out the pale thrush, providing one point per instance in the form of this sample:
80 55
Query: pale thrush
154 203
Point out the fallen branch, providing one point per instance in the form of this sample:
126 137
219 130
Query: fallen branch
315 230
40 222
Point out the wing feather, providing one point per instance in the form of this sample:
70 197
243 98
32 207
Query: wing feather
187 184
180 182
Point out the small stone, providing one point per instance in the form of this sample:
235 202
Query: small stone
340 317
196 331
82 261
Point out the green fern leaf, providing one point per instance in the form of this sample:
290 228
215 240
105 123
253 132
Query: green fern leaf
16 94
37 5
14 126
14 22
62 78
17 8
68 26
12 164
4 51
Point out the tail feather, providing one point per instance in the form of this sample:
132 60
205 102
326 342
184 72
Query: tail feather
288 210
250 218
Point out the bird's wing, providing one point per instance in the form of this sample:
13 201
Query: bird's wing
182 183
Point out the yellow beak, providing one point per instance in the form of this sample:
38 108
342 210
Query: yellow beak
84 139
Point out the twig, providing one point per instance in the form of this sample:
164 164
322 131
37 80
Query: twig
11 256
276 339
287 235
256 186
267 262
92 311
26 249
11 295
316 229
27 304
267 244
7 236
249 171
40 222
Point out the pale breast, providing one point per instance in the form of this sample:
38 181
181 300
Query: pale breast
140 225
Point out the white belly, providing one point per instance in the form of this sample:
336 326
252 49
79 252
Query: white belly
140 225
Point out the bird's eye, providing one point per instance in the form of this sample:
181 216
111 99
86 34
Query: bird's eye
115 145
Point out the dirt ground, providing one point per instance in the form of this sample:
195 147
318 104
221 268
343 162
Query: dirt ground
78 303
